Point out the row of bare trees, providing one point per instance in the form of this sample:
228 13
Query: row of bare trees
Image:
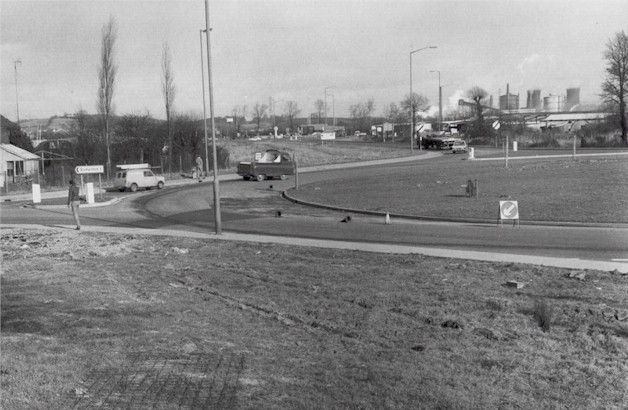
181 133
107 73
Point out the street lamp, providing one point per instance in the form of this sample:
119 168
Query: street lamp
211 113
411 105
204 105
440 100
17 103
326 88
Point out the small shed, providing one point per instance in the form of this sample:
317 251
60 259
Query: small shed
17 164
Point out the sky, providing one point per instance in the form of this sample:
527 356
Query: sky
347 51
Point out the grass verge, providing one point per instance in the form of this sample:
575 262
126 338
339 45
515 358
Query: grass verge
124 320
562 190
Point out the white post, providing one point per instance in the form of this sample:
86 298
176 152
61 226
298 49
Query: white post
506 150
89 192
36 194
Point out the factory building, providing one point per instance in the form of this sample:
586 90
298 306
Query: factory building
508 101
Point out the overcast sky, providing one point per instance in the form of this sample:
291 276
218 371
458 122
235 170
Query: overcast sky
294 49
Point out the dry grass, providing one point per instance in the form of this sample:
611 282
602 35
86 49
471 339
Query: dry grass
315 328
310 153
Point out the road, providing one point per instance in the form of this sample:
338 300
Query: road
258 208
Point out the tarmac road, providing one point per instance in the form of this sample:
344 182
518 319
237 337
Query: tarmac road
249 211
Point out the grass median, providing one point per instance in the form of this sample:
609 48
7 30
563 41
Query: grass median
126 321
551 189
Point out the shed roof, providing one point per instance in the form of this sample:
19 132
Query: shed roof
583 116
18 152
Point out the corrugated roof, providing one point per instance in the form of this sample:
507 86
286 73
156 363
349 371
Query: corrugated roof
576 116
18 152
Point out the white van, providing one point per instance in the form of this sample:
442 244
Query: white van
136 176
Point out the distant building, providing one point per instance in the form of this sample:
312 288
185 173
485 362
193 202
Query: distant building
508 101
573 98
534 100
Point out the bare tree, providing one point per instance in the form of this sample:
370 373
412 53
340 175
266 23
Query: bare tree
107 77
168 90
478 95
615 87
393 113
412 104
259 111
361 112
292 110
135 130
319 105
239 116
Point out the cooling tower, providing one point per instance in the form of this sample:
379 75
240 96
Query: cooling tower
536 100
573 98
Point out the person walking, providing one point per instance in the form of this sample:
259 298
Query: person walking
74 201
199 168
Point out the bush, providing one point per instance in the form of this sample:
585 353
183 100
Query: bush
543 314
546 141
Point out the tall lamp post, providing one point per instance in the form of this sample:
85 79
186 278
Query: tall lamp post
411 102
440 100
211 113
17 103
204 105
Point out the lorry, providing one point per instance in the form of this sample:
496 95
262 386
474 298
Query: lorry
438 141
271 164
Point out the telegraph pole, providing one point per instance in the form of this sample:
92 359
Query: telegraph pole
211 113
17 103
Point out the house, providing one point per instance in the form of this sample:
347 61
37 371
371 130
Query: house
17 164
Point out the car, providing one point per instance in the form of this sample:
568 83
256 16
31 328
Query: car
136 176
459 146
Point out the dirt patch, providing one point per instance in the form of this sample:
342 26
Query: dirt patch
95 319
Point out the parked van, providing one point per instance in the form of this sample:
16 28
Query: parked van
136 176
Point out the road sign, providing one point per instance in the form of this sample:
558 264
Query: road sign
509 210
496 125
89 169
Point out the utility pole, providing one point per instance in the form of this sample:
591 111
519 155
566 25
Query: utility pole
17 103
211 113
204 106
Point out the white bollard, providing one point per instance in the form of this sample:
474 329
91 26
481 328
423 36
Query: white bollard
89 192
36 194
514 145
471 153
387 220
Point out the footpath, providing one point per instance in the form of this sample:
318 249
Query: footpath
569 263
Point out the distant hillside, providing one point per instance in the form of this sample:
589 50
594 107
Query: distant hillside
53 125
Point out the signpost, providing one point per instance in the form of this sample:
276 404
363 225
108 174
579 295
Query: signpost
508 210
91 169
496 126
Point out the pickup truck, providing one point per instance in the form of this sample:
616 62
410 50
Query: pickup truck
438 141
271 164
